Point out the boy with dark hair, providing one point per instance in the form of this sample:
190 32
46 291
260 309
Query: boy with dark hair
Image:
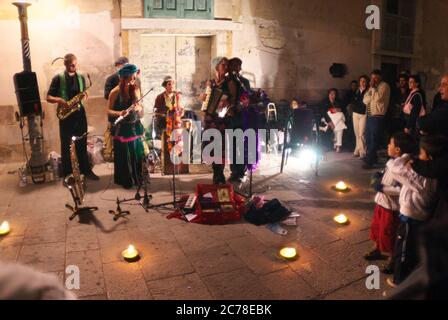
417 200
385 220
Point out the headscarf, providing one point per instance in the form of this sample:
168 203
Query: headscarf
127 70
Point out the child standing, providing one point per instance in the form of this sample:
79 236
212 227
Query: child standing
385 220
338 119
417 198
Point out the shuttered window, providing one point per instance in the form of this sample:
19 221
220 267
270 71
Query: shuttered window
180 9
399 26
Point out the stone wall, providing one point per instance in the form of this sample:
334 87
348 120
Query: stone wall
89 29
433 60
288 46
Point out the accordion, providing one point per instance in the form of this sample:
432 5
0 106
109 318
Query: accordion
212 100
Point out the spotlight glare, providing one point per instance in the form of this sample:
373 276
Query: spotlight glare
306 157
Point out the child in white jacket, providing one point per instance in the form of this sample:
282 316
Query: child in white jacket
417 198
338 120
383 230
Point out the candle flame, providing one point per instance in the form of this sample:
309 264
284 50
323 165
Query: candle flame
130 252
4 228
288 253
341 219
341 186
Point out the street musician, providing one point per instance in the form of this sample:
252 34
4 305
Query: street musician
168 110
222 114
64 87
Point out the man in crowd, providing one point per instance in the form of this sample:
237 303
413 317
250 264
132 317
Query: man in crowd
398 99
377 102
113 80
436 122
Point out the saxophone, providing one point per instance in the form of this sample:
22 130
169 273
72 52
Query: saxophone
75 181
74 104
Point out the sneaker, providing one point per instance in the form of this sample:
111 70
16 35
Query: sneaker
92 176
374 255
390 283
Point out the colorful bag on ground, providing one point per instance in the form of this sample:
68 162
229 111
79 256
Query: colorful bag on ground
215 205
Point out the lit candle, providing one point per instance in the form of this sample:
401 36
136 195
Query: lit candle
341 186
288 253
4 228
341 219
131 254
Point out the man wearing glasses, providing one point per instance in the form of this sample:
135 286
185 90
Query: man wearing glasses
64 87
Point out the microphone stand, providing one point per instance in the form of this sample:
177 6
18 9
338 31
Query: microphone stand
175 202
144 201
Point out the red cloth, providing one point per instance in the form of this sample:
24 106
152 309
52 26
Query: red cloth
384 229
213 218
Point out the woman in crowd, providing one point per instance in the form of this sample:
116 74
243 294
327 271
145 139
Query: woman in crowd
415 106
360 117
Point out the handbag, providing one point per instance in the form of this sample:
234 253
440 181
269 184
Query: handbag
407 109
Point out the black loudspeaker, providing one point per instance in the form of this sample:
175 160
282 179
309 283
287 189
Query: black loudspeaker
338 70
27 92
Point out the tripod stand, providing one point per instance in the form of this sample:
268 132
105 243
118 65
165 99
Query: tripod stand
77 210
144 200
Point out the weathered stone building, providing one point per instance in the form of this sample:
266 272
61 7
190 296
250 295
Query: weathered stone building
287 47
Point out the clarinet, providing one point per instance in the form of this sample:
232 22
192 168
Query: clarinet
121 118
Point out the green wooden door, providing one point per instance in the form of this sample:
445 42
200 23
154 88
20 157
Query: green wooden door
180 9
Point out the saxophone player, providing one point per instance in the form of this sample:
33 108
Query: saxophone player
64 87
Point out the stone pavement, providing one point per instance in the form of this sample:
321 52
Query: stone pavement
195 262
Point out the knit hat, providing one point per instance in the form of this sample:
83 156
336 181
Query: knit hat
128 70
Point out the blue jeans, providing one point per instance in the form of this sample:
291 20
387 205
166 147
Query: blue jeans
374 130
